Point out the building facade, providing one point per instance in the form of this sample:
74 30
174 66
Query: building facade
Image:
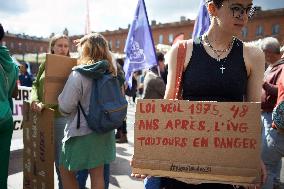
23 44
264 23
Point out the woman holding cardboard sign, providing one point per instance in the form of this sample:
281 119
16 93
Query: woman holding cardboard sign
216 66
59 45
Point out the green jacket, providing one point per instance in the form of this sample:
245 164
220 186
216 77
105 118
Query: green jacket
38 89
8 77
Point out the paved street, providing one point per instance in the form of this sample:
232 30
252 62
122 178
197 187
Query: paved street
120 168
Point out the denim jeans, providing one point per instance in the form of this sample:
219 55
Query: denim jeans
59 125
152 182
82 176
272 150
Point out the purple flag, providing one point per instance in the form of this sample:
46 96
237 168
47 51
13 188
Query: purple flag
202 21
139 46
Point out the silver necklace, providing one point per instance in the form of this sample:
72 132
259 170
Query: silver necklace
218 52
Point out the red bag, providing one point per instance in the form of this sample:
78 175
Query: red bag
179 70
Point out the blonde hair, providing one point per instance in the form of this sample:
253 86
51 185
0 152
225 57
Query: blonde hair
95 48
53 41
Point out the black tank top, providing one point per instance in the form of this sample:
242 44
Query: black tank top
206 79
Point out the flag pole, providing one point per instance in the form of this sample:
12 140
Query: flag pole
150 30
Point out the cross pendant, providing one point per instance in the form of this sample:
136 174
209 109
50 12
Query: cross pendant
222 69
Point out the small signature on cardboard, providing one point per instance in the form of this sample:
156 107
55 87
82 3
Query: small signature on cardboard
190 168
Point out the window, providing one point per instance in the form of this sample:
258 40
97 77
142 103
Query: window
3 43
161 38
12 45
20 46
117 44
259 31
245 32
275 29
110 44
171 38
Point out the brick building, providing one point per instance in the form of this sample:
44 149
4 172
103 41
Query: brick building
23 44
264 23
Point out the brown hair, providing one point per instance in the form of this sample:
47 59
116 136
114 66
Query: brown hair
53 41
218 3
95 48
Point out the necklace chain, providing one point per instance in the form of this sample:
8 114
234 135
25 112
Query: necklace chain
218 52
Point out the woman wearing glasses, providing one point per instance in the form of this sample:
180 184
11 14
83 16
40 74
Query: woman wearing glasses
218 66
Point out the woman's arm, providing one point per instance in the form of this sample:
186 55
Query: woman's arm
71 94
171 60
254 61
35 86
36 105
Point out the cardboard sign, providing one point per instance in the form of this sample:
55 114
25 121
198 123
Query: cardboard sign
23 95
38 154
200 141
57 70
17 137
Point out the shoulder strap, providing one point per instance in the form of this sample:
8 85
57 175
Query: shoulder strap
179 69
79 109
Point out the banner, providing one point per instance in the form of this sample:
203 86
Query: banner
201 141
23 95
202 22
139 47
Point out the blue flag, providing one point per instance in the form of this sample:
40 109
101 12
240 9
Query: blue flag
202 21
139 46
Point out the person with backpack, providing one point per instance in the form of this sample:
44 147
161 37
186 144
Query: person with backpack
8 78
89 144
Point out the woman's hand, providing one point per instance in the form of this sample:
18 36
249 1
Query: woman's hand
263 177
136 175
37 106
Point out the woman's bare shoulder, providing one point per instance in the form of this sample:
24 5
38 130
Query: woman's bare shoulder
253 52
253 56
